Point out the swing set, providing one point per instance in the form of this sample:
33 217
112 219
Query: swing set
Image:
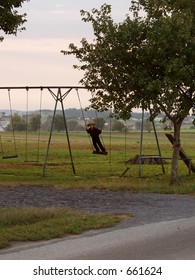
143 157
59 96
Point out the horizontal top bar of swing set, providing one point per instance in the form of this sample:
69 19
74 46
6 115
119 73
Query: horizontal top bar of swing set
44 87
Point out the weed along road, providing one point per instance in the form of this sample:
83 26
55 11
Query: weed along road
162 226
162 240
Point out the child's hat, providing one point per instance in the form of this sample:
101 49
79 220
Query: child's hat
91 122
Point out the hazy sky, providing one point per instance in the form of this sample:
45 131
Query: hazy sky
33 56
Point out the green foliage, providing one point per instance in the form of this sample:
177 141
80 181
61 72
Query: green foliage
143 62
17 123
147 125
10 20
117 125
59 122
75 126
35 122
100 122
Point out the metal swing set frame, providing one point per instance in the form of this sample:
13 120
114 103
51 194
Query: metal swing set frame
59 98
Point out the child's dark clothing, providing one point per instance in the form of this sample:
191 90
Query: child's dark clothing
94 133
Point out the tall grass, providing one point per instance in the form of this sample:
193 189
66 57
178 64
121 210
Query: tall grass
33 224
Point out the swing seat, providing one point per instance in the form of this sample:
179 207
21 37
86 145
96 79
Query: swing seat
12 156
100 153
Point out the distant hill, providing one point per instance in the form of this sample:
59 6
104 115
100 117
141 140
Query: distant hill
73 113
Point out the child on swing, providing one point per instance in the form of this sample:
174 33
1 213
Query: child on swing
94 132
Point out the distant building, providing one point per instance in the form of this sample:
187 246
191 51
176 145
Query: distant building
3 125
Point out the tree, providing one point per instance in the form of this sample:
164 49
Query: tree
100 122
72 125
46 124
118 125
17 123
35 122
146 62
10 20
147 125
59 122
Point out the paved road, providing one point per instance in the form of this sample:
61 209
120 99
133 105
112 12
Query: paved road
162 240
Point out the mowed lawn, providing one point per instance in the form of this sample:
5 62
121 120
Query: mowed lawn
94 171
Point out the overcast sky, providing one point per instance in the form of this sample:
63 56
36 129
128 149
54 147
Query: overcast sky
33 56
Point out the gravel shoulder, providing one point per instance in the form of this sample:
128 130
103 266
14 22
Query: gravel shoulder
145 207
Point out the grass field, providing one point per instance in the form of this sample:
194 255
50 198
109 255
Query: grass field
94 171
33 224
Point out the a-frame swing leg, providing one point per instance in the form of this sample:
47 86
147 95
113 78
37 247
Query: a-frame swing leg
50 135
58 98
125 171
158 146
141 145
66 129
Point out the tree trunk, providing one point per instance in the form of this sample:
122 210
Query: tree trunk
175 158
